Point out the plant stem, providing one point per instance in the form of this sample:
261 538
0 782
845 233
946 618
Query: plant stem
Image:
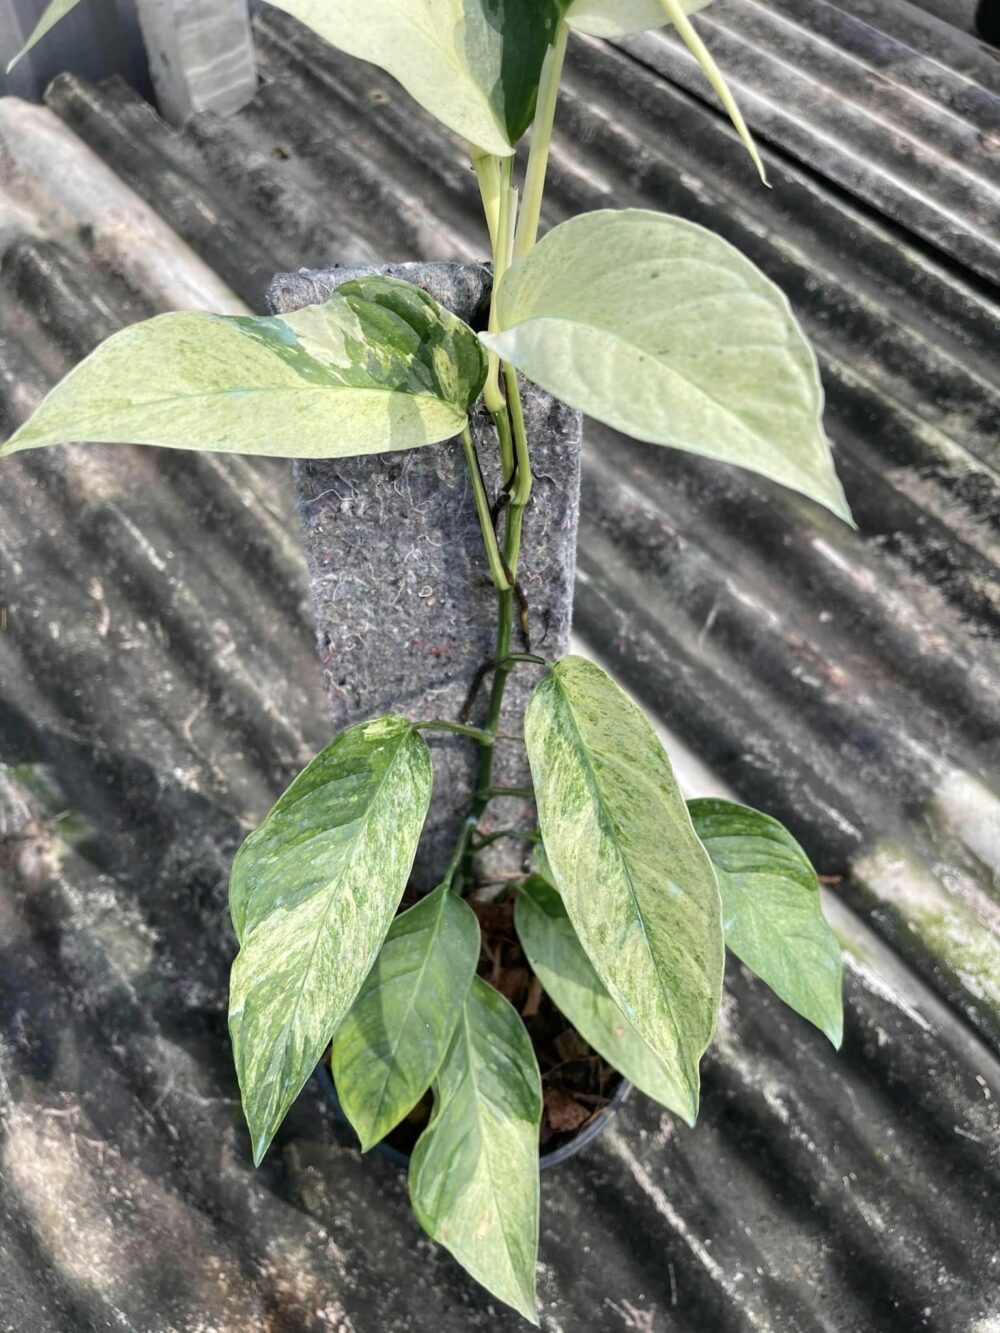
452 878
525 793
493 556
508 416
501 420
487 169
477 733
506 661
503 243
505 624
522 475
541 139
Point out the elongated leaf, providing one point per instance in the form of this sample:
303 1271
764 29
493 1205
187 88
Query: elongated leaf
666 332
771 910
474 64
379 366
397 1032
312 894
676 13
474 1172
618 18
57 10
637 884
558 960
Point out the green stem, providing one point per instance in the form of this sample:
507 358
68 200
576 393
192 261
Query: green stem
522 477
459 853
505 663
493 556
460 729
501 420
525 793
511 558
541 140
503 243
515 464
487 169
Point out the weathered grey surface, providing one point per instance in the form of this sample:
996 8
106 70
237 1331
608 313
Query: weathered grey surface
405 609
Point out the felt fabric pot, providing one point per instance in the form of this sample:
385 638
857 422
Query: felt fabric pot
405 609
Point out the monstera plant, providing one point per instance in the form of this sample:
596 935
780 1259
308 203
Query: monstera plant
658 328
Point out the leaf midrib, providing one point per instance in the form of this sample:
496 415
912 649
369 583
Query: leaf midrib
480 1098
247 392
610 820
414 991
362 825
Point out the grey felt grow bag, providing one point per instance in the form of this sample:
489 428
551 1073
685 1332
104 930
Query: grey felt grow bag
405 609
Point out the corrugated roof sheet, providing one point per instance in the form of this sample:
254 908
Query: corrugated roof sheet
158 687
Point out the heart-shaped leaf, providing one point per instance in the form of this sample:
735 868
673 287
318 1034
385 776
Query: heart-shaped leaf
379 366
558 960
474 64
666 332
637 884
57 10
391 1044
312 894
618 18
474 1172
771 910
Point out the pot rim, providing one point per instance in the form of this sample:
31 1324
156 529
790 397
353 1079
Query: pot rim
554 1157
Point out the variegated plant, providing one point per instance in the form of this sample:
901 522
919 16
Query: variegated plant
664 331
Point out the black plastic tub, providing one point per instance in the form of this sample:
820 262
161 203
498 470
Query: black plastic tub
562 1152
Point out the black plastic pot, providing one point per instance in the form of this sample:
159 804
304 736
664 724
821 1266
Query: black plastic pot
553 1157
988 21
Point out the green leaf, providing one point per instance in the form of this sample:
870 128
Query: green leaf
666 332
391 1044
474 64
541 860
676 13
637 884
771 910
57 10
558 960
474 1172
618 18
312 895
379 366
